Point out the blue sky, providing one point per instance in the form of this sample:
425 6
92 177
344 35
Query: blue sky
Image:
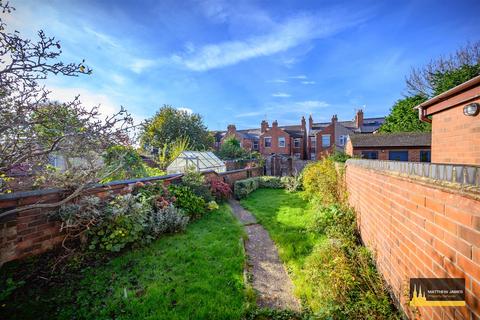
241 61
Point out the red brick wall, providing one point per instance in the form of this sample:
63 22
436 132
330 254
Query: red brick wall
323 151
275 133
413 153
32 232
456 137
417 229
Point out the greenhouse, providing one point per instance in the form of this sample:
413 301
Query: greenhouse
198 160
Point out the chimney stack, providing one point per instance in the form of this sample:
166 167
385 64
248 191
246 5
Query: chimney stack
264 126
275 124
359 118
334 118
304 124
310 123
231 128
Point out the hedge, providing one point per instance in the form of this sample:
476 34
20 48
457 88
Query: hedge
242 188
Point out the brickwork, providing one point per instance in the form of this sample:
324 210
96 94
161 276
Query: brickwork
455 137
275 133
383 154
419 229
323 151
32 232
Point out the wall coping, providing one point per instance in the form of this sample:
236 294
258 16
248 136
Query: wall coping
459 174
42 192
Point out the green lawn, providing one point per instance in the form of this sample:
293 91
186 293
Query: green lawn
286 217
194 275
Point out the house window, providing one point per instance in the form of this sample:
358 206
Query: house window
325 140
268 142
255 145
425 156
296 143
343 140
313 156
281 142
296 156
370 154
313 143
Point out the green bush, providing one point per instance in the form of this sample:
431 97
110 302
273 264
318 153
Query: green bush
270 182
242 188
193 205
195 181
322 182
335 221
124 223
339 156
165 220
292 184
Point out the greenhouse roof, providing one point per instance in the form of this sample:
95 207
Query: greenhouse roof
200 160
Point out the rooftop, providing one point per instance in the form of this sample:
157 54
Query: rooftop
403 139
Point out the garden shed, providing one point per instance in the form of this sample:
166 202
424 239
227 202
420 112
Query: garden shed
198 160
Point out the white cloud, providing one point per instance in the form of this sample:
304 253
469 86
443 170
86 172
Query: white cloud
138 65
278 81
282 37
118 79
89 99
312 104
187 110
102 37
302 76
308 82
281 95
249 114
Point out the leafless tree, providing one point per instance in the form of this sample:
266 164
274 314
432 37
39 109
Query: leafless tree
421 80
33 128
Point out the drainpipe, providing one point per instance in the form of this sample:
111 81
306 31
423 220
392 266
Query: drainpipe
422 116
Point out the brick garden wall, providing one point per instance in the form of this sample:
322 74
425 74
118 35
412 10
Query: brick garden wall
419 229
32 232
456 137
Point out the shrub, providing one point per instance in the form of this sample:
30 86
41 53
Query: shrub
335 221
185 199
195 181
244 187
321 182
165 220
124 222
124 162
220 190
292 184
339 156
270 182
212 205
329 268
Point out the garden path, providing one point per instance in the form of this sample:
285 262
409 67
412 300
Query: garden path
270 279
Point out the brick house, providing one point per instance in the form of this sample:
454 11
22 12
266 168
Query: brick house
326 137
455 120
405 146
249 138
284 140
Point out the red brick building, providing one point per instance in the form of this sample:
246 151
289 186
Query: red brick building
249 138
405 146
285 140
300 141
455 120
324 138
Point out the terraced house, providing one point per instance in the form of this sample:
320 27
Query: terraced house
301 141
326 137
